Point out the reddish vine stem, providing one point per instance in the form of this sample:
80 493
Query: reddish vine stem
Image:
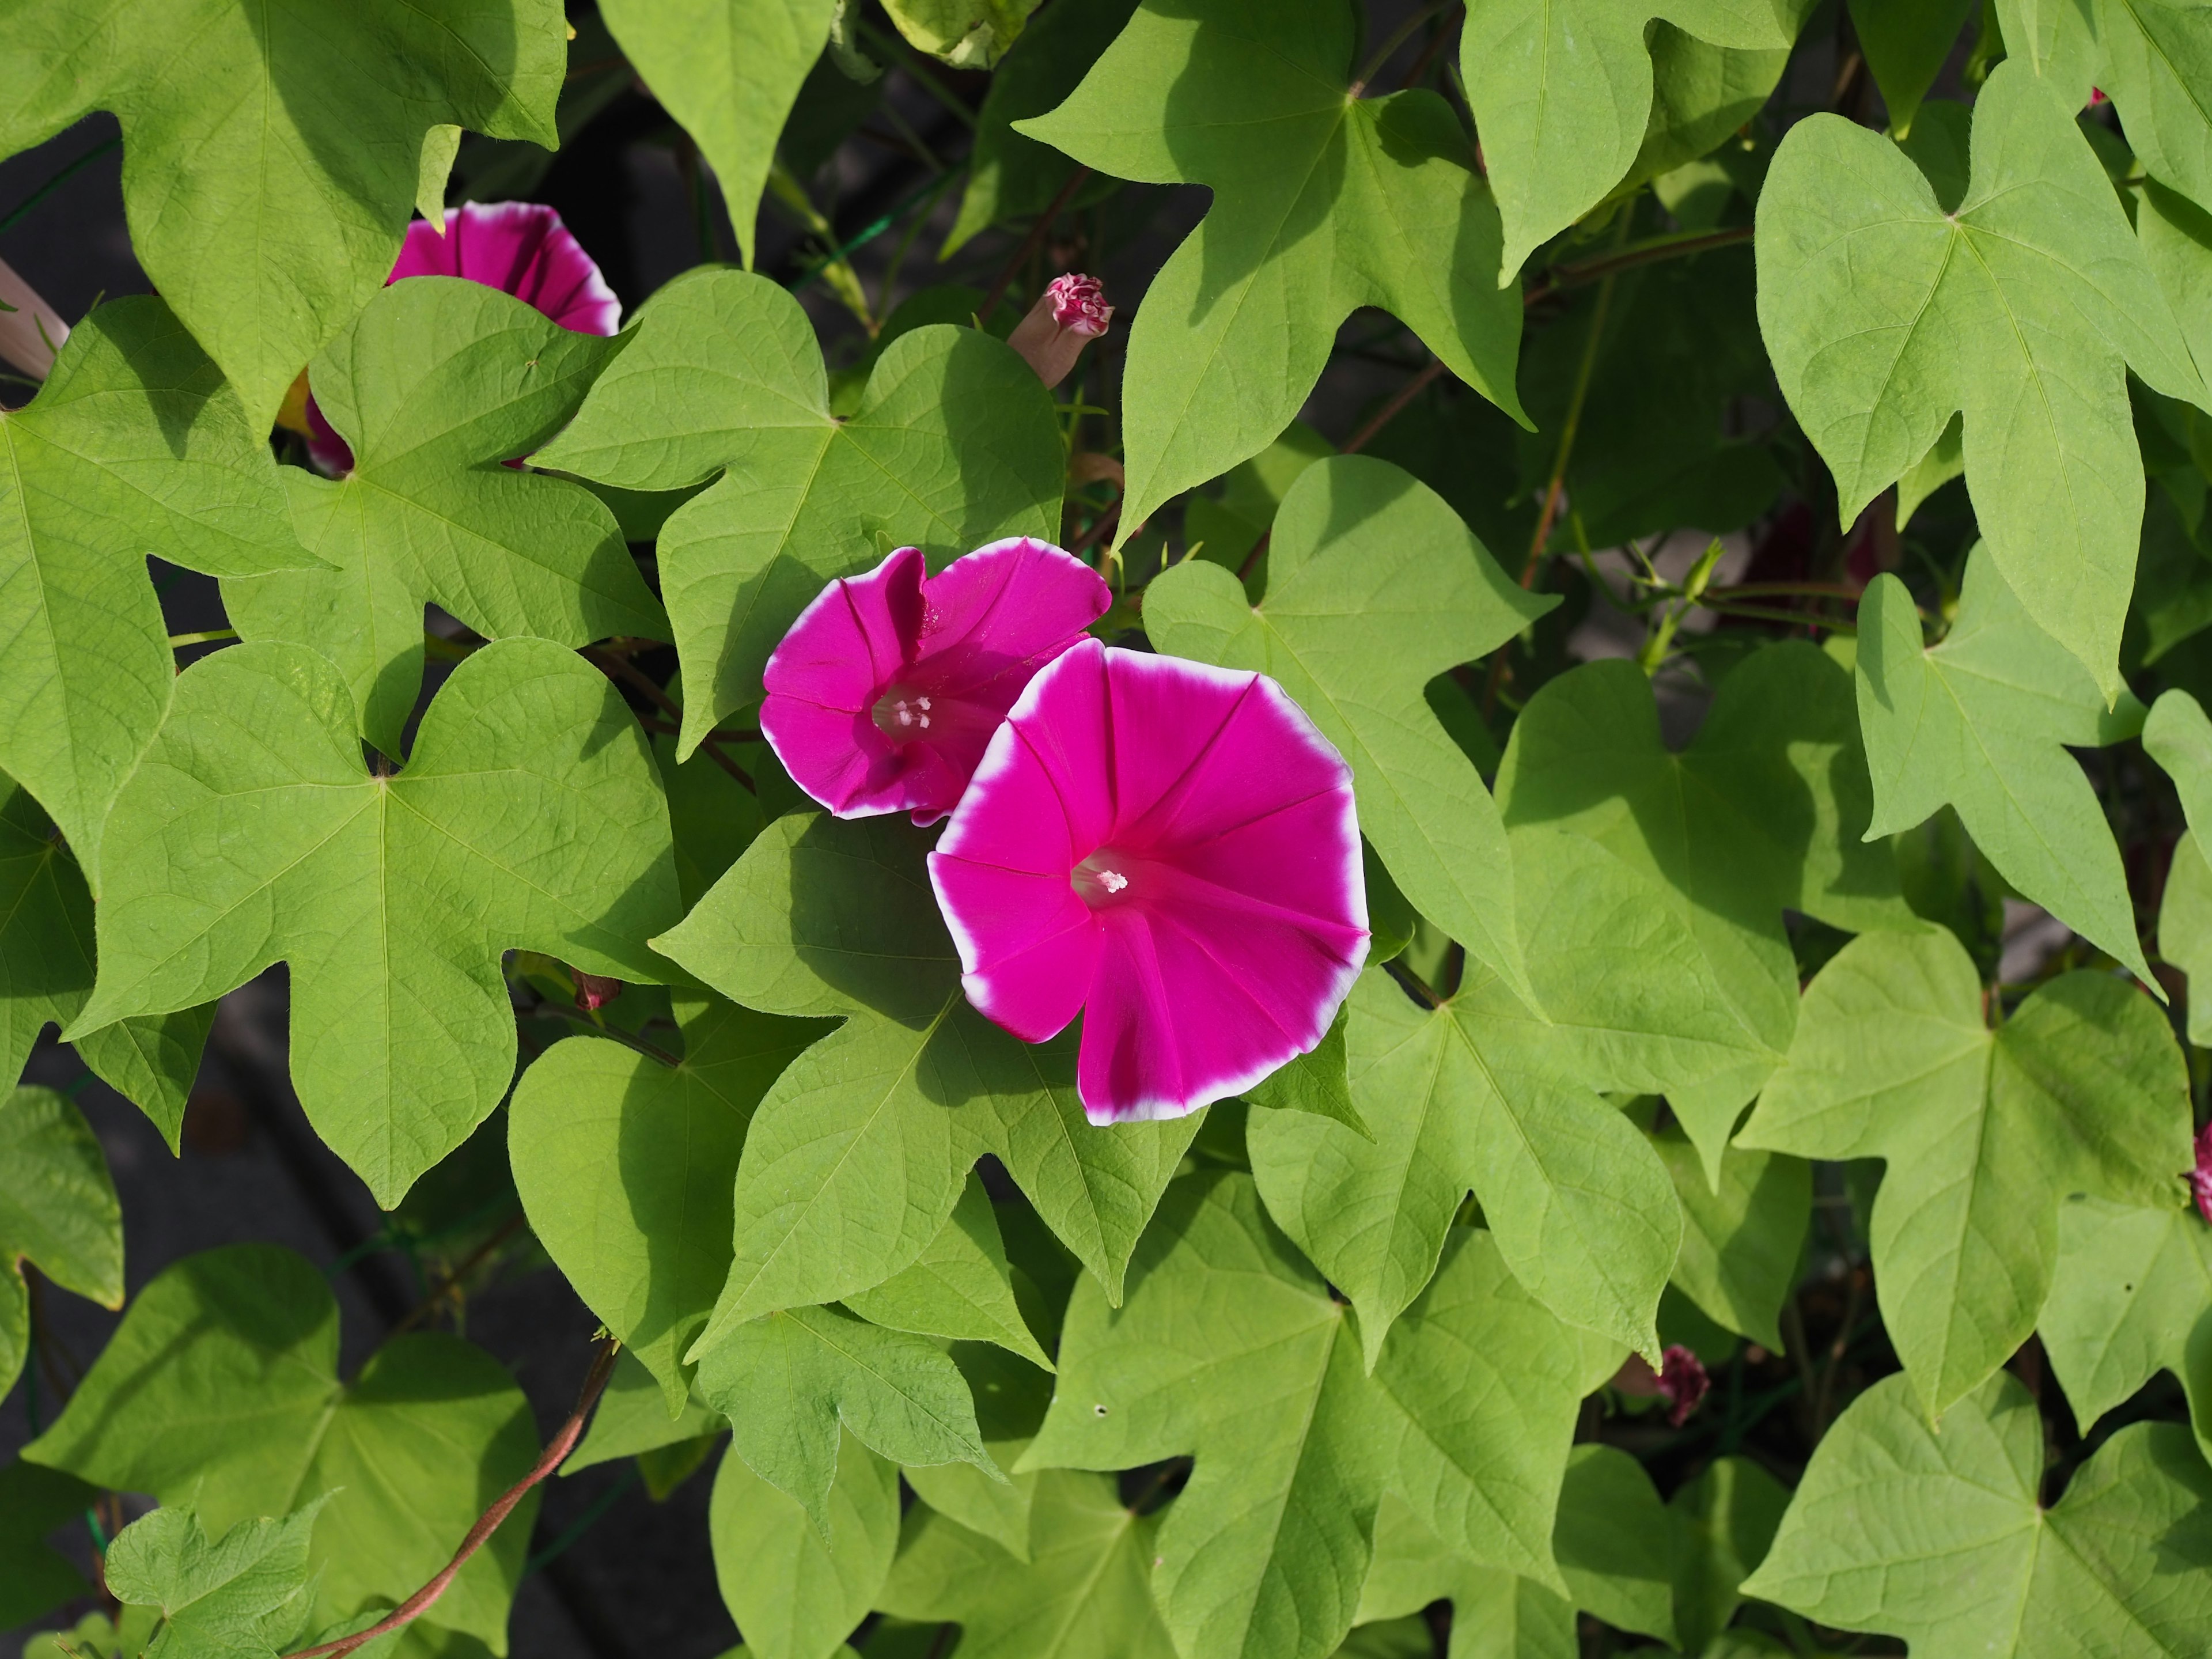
1031 243
1590 270
556 1451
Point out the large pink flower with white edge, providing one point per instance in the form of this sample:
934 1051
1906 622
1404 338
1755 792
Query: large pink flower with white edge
520 248
1171 850
882 696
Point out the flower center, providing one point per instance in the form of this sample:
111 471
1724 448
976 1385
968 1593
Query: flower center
1103 878
904 715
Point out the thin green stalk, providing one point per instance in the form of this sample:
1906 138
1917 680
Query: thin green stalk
16 214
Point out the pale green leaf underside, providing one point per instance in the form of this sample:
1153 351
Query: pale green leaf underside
1981 723
1938 1537
134 448
435 385
251 833
2022 309
1982 1134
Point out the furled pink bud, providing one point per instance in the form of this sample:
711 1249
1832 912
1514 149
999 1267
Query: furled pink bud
1681 1382
2200 1178
31 331
594 992
2096 96
1070 311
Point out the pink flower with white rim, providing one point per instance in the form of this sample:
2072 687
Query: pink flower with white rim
1171 850
882 696
520 248
1069 315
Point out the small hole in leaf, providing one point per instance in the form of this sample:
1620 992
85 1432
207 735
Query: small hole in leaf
1099 1410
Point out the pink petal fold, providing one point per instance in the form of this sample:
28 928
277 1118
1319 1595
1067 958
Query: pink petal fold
1172 849
885 692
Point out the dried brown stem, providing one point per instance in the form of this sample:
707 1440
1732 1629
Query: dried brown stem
556 1451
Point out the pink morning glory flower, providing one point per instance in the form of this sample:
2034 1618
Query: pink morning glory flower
520 248
882 696
2200 1178
1171 849
1069 315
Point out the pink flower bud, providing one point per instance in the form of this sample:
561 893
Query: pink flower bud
594 992
1070 311
2200 1178
1680 1381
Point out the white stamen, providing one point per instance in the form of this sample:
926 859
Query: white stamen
922 701
925 720
905 717
1112 880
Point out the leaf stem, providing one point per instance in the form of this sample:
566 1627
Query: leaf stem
16 213
1390 412
1398 38
1030 243
1674 245
453 1277
621 667
556 1451
549 1009
206 636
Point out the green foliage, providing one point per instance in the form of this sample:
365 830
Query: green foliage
224 856
57 1210
268 178
2050 457
1939 1538
135 446
1355 623
1983 1132
798 1592
435 384
1559 400
244 1595
1562 94
1977 723
953 445
729 71
220 1391
624 1164
1081 1591
861 1149
1324 201
1763 811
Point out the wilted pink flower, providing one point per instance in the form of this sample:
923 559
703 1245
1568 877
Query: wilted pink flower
1070 313
1171 850
594 991
2200 1178
882 696
520 248
1680 1381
